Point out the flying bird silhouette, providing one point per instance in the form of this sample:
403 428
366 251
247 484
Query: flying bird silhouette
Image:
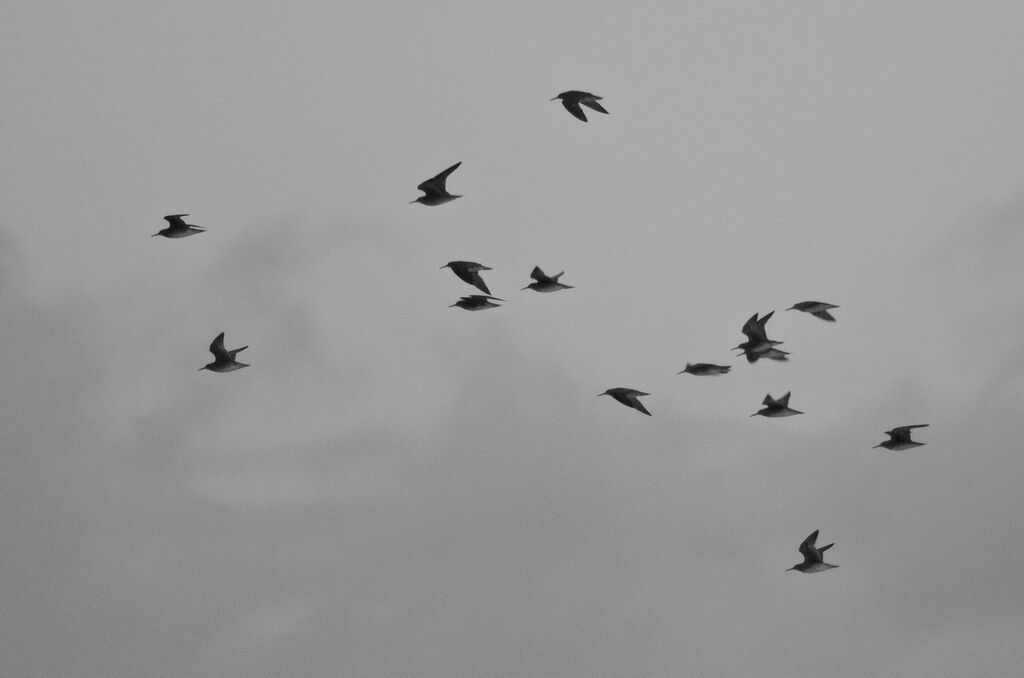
177 228
628 397
813 556
469 271
573 98
476 302
758 345
776 408
819 309
223 360
705 369
434 189
546 283
899 438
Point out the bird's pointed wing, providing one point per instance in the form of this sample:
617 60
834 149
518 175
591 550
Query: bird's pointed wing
435 186
784 400
217 348
592 103
538 274
824 315
902 433
807 550
632 401
176 222
573 106
769 400
236 351
478 282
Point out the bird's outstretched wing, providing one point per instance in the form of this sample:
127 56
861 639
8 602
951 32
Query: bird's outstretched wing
902 433
435 186
217 348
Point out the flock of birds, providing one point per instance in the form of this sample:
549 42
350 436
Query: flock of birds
757 346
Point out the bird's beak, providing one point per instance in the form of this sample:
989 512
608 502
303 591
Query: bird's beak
446 265
552 98
201 369
154 235
411 202
525 288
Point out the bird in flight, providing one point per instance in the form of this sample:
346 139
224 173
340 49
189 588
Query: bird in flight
469 271
819 309
813 559
572 100
758 345
546 283
899 438
706 369
434 189
628 397
177 227
223 360
776 408
476 302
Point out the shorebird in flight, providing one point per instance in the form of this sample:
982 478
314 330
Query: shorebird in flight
776 408
469 271
899 438
223 360
177 227
434 188
628 397
572 100
758 345
813 558
476 302
546 283
703 369
819 309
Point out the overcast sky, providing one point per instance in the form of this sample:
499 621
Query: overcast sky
398 488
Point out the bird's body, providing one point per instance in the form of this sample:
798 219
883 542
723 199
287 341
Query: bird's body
434 189
177 228
476 302
546 283
223 360
899 438
770 353
776 408
469 271
705 369
819 309
628 397
573 98
813 556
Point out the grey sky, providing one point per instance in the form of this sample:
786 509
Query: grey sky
397 488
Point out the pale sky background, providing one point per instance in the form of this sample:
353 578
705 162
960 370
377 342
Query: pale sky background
397 488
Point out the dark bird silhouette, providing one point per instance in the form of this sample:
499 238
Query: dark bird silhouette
434 189
819 309
546 283
813 557
572 100
476 302
758 344
899 438
469 271
223 360
628 397
706 369
776 408
177 227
